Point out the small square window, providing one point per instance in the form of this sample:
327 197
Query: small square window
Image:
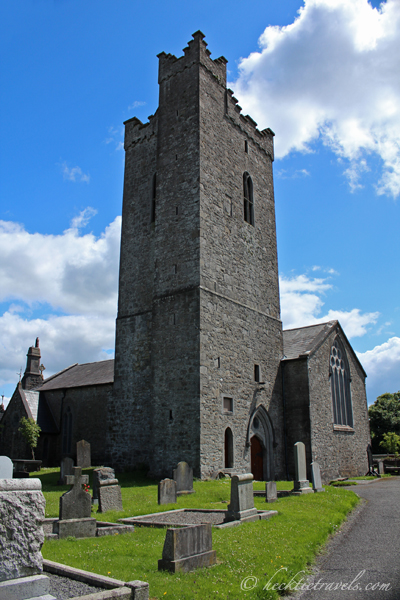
228 404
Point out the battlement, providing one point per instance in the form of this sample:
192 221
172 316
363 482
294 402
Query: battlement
195 53
136 131
264 138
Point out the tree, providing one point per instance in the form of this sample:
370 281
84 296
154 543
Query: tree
31 432
384 417
391 442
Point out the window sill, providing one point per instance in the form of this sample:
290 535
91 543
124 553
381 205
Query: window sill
344 428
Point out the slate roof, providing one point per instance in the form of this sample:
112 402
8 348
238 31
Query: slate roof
96 373
304 340
32 400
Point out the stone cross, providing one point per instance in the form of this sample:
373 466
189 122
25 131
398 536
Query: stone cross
301 483
76 504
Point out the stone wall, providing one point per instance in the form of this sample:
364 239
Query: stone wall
339 452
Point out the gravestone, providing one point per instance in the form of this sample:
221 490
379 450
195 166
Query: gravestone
83 458
6 467
106 491
167 491
183 475
301 483
75 509
187 548
242 507
102 474
316 477
381 467
21 538
271 495
66 468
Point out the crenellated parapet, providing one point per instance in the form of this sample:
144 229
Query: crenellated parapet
136 131
264 139
195 53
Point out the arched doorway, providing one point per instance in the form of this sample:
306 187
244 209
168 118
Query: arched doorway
257 458
260 436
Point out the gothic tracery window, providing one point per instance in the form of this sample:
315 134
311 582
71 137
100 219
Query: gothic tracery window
340 385
248 203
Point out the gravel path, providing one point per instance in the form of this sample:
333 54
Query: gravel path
189 517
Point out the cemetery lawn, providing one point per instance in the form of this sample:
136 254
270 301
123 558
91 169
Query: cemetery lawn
268 553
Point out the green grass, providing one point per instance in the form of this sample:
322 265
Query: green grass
287 543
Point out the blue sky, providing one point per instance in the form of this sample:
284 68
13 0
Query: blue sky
325 79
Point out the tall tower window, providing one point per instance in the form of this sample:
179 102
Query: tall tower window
248 203
340 385
67 432
228 447
153 199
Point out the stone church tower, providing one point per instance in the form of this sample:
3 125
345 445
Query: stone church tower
198 336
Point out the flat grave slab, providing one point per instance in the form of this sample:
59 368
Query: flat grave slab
185 517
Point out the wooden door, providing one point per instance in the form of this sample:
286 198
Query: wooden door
257 466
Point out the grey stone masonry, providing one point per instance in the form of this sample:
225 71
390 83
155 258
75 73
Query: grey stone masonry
183 475
35 587
188 548
83 458
301 483
316 477
21 533
271 495
241 506
167 492
198 305
6 467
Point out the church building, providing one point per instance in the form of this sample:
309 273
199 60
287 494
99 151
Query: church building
202 369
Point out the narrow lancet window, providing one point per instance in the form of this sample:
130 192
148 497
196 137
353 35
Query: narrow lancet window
340 385
153 199
248 203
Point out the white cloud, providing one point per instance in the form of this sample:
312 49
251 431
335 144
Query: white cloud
382 365
333 75
77 274
301 305
74 173
72 273
136 104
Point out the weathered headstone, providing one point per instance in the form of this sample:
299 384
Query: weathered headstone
187 548
271 495
6 467
381 467
106 491
75 509
167 491
21 538
66 468
83 458
101 474
301 483
316 477
242 507
183 475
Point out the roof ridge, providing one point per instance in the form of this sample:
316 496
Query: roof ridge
313 325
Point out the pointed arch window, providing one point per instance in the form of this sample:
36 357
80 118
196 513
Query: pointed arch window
248 202
340 385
